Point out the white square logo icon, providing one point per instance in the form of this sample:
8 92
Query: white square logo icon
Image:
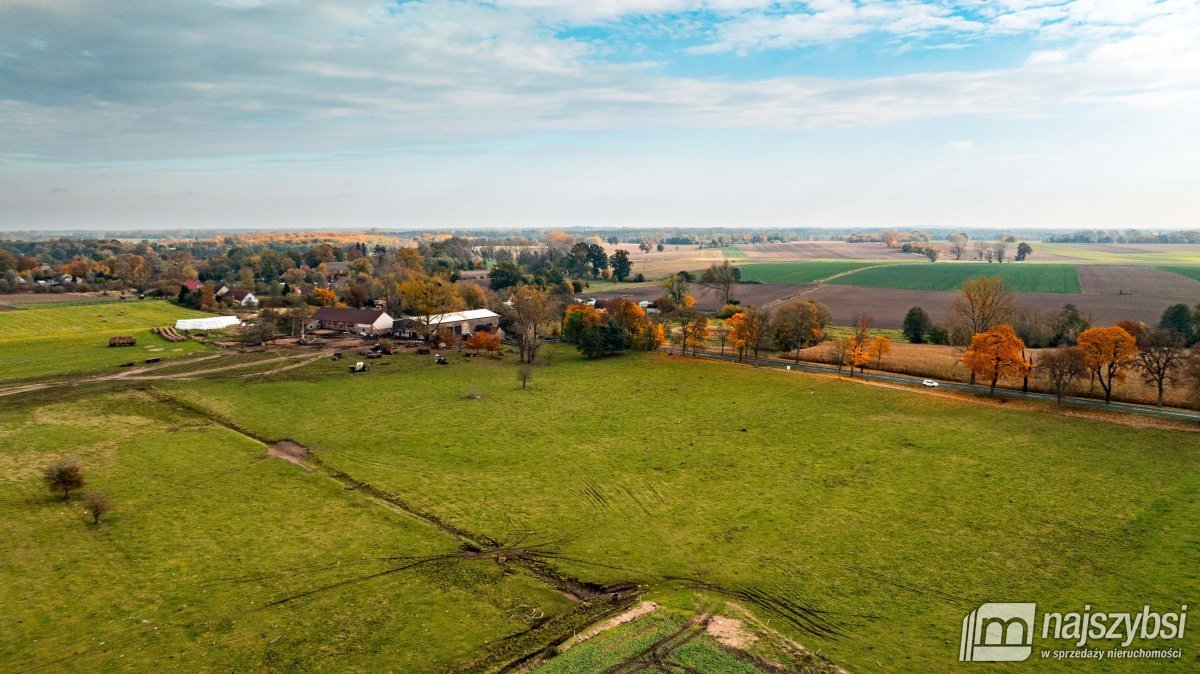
998 633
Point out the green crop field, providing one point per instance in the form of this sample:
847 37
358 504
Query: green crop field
48 339
1031 278
733 253
797 272
862 522
1192 272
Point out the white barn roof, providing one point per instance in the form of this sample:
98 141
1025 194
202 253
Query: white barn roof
468 315
213 323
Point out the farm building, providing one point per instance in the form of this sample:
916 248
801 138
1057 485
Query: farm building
362 321
459 322
213 323
193 285
243 298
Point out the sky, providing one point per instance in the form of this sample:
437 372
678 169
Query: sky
144 114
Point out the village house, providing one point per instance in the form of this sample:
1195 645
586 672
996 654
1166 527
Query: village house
337 271
459 323
361 321
243 298
193 285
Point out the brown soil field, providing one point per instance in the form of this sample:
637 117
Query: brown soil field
44 298
1106 279
709 300
820 250
944 363
888 305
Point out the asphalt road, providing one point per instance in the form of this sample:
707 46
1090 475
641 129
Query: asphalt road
1128 408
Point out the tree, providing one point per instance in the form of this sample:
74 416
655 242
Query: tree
323 297
722 333
1065 327
484 340
958 245
1108 352
96 503
529 311
721 278
995 353
916 325
1160 356
1024 250
506 275
879 348
473 295
850 351
799 325
1060 368
621 266
932 252
575 319
983 304
1178 318
524 373
675 288
428 300
602 339
63 475
755 329
695 332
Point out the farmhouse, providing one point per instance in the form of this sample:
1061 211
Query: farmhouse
193 285
460 322
362 321
243 298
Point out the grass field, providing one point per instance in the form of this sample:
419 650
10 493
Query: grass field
733 253
1032 278
862 522
1192 272
49 339
206 532
797 272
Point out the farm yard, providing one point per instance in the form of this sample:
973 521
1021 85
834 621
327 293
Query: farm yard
49 339
663 500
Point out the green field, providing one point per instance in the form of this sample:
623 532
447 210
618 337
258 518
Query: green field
796 272
1030 278
733 253
886 514
1175 254
1192 272
48 339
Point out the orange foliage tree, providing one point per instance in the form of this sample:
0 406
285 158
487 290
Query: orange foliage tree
999 352
879 348
1108 353
484 341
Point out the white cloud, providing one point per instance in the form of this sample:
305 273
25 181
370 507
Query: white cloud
961 145
1050 56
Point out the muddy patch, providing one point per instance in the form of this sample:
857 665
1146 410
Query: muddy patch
632 614
293 452
730 632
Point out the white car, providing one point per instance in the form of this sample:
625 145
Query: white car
929 382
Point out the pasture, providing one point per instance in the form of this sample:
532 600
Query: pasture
47 339
796 272
862 522
1032 278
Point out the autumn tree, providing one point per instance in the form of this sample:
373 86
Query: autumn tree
484 340
675 289
577 317
958 245
983 304
695 332
1060 368
1160 357
62 476
721 278
323 297
428 299
1108 352
473 295
799 325
994 354
530 312
878 349
751 329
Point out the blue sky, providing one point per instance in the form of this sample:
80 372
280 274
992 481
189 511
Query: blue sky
539 113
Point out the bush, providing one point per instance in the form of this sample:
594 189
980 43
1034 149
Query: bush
63 475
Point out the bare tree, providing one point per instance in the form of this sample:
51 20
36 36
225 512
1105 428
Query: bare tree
984 304
981 250
721 278
1060 368
530 312
958 245
1000 248
524 374
1160 356
722 333
63 475
96 504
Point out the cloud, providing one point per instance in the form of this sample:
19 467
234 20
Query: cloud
961 145
244 78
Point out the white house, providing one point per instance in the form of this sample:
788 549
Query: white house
243 298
